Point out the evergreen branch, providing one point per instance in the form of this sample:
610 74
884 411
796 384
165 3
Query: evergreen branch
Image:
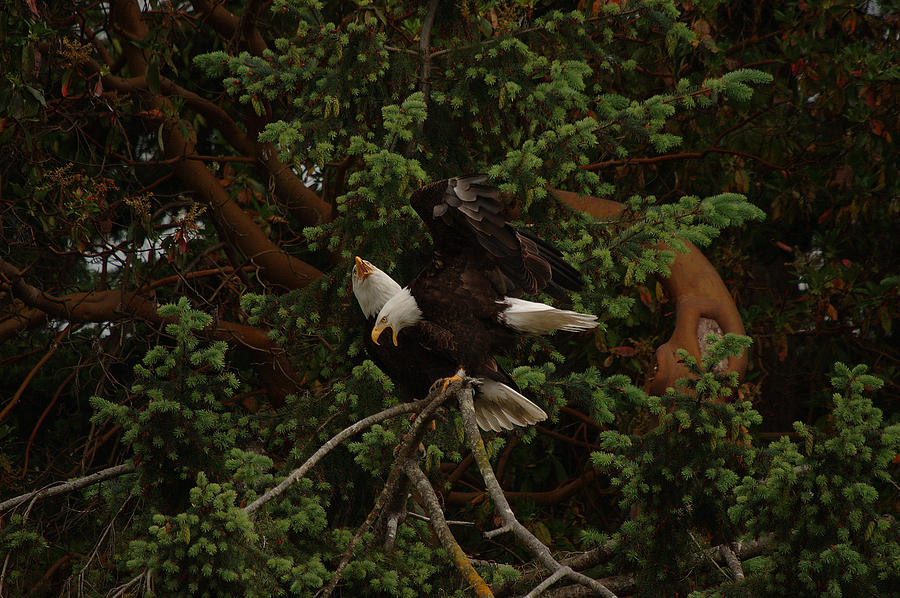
70 486
510 522
326 448
442 530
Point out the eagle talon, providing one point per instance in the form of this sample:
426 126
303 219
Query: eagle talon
457 377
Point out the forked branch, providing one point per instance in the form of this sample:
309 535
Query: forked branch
393 496
510 522
328 447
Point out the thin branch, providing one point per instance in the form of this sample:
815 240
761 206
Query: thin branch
53 347
539 589
328 447
616 583
625 584
734 564
449 522
442 530
579 562
547 497
424 45
679 156
510 522
395 478
69 486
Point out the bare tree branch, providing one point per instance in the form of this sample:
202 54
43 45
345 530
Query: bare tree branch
442 530
510 522
734 564
70 486
394 482
326 448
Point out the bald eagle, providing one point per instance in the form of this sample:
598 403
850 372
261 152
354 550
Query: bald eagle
465 301
414 366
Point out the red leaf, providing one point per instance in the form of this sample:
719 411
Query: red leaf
67 83
623 351
646 297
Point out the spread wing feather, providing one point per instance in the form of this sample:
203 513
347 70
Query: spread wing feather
564 275
463 208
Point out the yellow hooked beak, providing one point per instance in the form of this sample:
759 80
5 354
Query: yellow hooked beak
362 269
379 328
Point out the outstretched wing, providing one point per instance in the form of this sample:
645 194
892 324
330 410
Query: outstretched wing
463 213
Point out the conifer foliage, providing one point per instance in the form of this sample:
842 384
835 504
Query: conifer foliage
187 408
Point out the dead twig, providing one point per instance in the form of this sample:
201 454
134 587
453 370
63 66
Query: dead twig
442 530
70 486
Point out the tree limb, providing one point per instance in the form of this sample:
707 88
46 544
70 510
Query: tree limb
117 304
510 522
442 530
69 486
734 564
405 452
326 448
179 140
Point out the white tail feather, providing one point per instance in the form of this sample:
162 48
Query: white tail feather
540 318
499 407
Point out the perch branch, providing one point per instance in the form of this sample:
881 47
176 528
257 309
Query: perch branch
510 522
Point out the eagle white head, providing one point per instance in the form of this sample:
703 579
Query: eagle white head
400 311
371 287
